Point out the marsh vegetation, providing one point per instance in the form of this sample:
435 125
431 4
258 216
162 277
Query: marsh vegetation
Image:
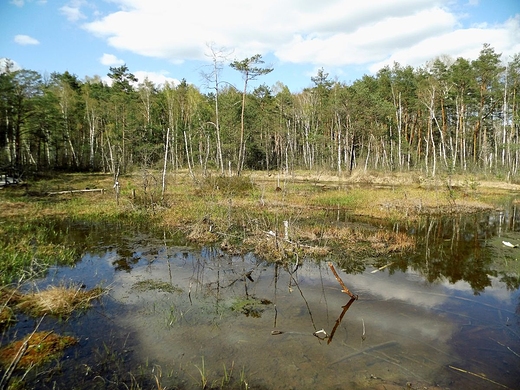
145 288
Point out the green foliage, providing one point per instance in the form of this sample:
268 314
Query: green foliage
471 184
449 115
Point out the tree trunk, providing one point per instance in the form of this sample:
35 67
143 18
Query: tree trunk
165 163
188 154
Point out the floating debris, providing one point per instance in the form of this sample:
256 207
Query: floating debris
381 268
321 334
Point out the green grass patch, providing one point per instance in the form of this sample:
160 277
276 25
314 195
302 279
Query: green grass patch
29 247
251 307
235 185
342 198
157 285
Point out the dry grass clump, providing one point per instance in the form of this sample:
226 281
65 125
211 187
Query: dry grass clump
384 241
377 242
7 316
57 300
276 249
35 349
269 249
8 297
344 236
202 233
316 251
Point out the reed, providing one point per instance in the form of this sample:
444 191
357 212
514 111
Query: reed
203 375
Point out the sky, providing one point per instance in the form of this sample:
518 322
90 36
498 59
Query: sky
170 40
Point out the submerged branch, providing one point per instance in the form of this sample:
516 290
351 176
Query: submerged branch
340 318
478 376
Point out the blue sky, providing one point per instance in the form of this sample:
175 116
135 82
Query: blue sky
171 39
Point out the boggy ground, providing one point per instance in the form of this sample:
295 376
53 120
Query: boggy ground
279 217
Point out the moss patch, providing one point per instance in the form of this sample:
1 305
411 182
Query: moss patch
35 349
151 284
251 307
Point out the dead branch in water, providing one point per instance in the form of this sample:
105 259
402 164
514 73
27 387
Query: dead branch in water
345 289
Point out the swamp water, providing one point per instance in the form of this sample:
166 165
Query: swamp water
445 316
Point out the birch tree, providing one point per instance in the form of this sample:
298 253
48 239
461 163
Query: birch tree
218 57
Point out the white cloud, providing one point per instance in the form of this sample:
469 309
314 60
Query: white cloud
328 33
180 32
110 60
13 66
158 78
72 14
465 43
21 3
25 40
72 10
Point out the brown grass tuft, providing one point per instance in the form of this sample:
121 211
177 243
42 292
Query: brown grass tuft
57 300
375 242
7 317
202 233
8 298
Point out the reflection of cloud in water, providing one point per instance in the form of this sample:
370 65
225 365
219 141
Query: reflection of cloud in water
415 290
496 290
402 306
171 329
384 286
427 324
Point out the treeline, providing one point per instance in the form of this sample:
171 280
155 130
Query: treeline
450 115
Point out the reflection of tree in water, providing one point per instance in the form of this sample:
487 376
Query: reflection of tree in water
125 260
133 246
511 281
454 248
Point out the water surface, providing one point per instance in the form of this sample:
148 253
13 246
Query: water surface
445 316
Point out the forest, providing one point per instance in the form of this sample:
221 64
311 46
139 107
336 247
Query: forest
450 115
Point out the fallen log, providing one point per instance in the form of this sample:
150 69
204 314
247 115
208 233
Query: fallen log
102 190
